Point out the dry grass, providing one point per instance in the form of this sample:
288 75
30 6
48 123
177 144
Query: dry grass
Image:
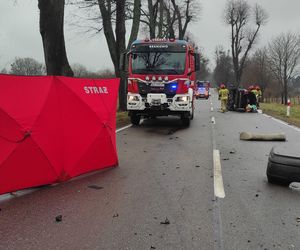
122 119
279 111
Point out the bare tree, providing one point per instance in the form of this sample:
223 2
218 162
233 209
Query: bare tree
79 70
52 32
283 59
26 66
186 12
223 71
239 14
117 41
163 18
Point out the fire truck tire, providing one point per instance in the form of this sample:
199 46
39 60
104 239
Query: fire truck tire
135 119
192 115
186 121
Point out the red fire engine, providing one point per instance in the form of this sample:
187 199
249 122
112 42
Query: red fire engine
161 77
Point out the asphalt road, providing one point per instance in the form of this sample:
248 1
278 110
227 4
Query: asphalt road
167 174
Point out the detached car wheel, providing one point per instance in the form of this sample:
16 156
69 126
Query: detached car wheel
278 181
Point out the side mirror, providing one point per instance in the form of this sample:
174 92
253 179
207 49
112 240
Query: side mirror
197 61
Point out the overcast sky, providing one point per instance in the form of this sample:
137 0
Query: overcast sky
19 31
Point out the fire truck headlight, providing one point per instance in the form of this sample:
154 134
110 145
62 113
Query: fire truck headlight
182 99
133 98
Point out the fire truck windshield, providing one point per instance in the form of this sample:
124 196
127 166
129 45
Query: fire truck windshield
158 62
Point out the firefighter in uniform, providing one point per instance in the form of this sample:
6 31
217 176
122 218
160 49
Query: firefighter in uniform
259 95
223 95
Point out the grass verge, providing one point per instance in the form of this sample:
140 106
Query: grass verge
279 111
122 119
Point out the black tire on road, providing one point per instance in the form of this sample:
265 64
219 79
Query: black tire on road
186 121
135 119
278 181
193 110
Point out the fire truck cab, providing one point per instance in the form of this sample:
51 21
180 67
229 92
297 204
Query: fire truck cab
161 79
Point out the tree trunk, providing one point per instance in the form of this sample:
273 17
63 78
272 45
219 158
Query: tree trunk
120 47
285 92
52 32
161 19
135 22
152 20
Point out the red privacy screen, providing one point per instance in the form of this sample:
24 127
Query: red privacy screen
55 128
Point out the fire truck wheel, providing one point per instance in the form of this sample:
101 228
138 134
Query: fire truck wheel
135 119
186 121
192 115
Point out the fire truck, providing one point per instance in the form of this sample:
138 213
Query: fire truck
161 79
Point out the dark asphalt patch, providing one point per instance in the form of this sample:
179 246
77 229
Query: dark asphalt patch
95 187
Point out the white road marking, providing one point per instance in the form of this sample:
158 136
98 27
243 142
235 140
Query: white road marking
218 179
212 109
123 128
213 120
282 122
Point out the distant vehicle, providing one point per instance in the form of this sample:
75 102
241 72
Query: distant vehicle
161 77
202 90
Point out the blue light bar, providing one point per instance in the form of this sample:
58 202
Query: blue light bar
174 86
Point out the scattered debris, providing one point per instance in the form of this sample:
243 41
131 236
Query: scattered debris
197 166
135 233
166 222
58 218
298 219
256 195
177 167
155 218
163 173
95 187
145 151
150 234
152 247
232 152
115 215
249 241
225 159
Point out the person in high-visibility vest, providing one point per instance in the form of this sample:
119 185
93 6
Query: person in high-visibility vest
259 95
223 95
